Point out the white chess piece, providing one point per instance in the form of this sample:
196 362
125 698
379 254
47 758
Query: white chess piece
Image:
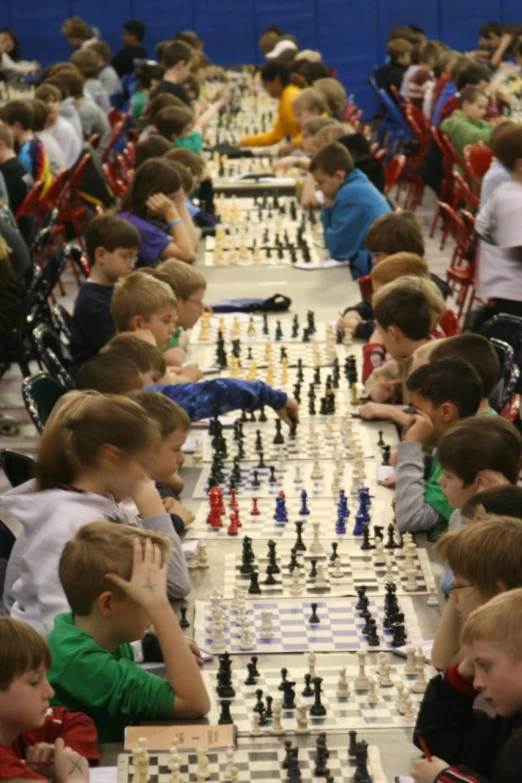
337 573
384 671
217 636
343 687
296 588
312 659
379 555
372 697
202 772
277 726
202 555
143 760
409 711
411 581
266 624
400 698
409 668
298 479
302 719
433 598
419 686
361 681
320 581
197 456
192 560
389 574
256 730
230 763
316 548
316 473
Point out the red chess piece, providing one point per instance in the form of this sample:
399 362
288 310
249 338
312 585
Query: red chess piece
213 497
233 527
233 503
215 517
282 494
222 509
254 510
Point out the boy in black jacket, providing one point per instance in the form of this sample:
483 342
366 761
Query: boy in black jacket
465 743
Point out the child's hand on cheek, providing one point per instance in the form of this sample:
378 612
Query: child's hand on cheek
420 429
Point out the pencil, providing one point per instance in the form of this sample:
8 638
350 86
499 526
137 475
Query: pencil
425 750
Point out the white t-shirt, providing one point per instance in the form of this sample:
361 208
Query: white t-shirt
499 226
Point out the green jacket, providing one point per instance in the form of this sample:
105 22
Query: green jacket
462 131
109 687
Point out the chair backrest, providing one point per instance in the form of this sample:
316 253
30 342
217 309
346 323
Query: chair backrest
18 467
28 206
7 539
365 286
478 159
40 393
79 171
455 225
117 130
511 410
449 323
53 354
393 171
509 374
463 192
53 193
507 328
63 322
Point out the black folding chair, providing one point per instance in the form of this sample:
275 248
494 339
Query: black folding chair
18 467
52 354
40 394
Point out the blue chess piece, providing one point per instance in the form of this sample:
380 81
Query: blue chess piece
280 511
359 525
340 526
364 494
304 510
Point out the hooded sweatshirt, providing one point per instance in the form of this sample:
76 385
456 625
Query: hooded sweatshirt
50 518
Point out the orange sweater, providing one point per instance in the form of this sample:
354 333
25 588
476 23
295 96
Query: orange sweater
286 124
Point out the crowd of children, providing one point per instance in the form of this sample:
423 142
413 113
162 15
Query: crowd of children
99 556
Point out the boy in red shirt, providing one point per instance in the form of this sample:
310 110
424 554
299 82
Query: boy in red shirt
37 741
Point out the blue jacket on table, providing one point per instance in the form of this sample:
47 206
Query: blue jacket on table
213 398
356 205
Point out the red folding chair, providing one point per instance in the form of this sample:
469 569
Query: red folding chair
117 130
393 171
28 206
511 410
382 154
478 159
365 286
114 116
449 323
94 140
460 274
463 193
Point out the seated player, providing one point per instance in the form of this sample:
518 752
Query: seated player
114 577
351 204
18 116
275 77
106 73
441 393
86 60
175 59
202 213
154 146
308 104
465 742
501 501
392 72
111 245
406 311
190 286
467 125
334 94
31 731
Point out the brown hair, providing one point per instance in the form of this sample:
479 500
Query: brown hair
309 99
144 355
499 622
332 158
187 278
22 650
168 415
138 294
268 41
6 135
500 447
508 146
172 121
397 47
333 93
76 27
72 80
399 265
108 375
396 232
162 101
46 91
176 52
40 114
199 60
86 60
102 49
79 425
470 95
185 176
97 549
111 233
477 350
505 500
153 147
461 63
153 176
187 158
330 133
429 50
313 125
486 553
17 111
412 304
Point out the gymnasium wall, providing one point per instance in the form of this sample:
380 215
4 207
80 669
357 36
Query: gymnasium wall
350 33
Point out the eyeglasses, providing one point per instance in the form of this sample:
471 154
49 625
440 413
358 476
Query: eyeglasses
454 587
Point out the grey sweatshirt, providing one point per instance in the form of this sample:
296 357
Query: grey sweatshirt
50 518
411 510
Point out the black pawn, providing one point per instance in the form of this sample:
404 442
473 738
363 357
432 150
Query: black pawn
253 588
380 442
284 674
183 623
314 619
308 690
225 717
353 741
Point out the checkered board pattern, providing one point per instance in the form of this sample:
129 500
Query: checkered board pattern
262 764
252 230
358 568
233 167
342 713
285 480
264 525
238 329
304 446
311 354
339 629
265 258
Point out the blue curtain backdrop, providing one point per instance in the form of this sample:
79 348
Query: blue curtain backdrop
350 33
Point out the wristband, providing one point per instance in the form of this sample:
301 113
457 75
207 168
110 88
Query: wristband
173 223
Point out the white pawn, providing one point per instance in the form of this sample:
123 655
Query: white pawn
316 472
389 575
202 555
277 726
409 710
320 581
337 573
302 719
433 598
419 686
230 763
361 682
343 688
197 456
384 671
411 581
256 731
312 659
409 668
372 697
246 640
266 624
298 479
400 698
296 587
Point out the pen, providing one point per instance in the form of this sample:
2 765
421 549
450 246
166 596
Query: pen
425 750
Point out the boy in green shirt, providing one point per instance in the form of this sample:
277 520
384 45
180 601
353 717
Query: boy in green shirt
467 124
114 577
190 288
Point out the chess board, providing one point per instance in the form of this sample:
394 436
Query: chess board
285 473
339 629
265 526
266 257
358 568
342 713
262 764
311 354
320 439
235 327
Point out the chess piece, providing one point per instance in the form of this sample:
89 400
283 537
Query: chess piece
314 619
302 719
433 599
202 555
419 686
202 772
256 730
266 625
277 726
409 667
361 681
317 709
384 671
343 688
372 697
230 764
183 623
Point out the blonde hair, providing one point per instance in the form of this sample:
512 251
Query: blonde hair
485 553
76 27
22 650
167 414
399 265
187 279
79 425
384 298
310 55
97 549
331 133
333 92
499 622
314 124
309 99
139 294
86 60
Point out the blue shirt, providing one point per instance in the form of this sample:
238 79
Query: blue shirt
213 398
356 205
495 176
448 92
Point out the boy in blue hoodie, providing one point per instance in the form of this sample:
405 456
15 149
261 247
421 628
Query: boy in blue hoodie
351 204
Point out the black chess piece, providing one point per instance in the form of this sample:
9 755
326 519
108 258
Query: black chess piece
308 690
313 570
353 740
224 677
362 603
272 557
253 660
261 463
366 543
272 478
361 774
288 753
251 678
380 442
253 588
284 675
334 555
314 619
293 560
317 709
372 635
268 712
299 545
399 634
278 439
270 580
255 479
386 456
183 623
289 695
390 543
225 717
260 705
378 532
262 415
259 441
